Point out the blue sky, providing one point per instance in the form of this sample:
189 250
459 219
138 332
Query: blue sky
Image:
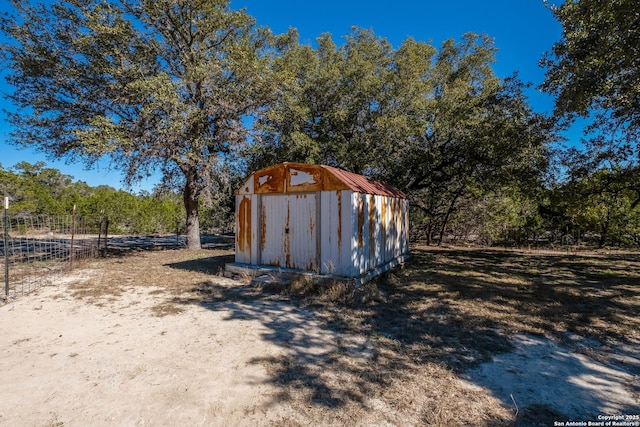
523 31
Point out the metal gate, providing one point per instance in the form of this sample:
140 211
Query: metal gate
289 236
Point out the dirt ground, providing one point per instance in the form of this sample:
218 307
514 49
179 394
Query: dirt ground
459 337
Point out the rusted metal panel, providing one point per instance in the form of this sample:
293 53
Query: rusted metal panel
333 182
384 226
364 221
360 204
405 226
335 246
339 217
363 184
270 180
395 228
245 228
294 178
394 221
303 235
373 223
356 223
244 224
300 177
273 223
246 187
379 234
347 230
304 178
329 247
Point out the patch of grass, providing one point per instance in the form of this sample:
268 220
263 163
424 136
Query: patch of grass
166 309
311 291
550 294
169 272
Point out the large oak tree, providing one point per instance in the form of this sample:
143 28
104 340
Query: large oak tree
154 84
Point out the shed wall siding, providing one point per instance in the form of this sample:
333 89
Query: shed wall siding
404 235
331 237
247 228
288 231
380 226
335 232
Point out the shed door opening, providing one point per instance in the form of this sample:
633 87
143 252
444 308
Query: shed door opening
288 231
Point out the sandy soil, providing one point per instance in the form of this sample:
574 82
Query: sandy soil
68 362
541 372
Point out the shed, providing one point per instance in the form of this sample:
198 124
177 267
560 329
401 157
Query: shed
320 219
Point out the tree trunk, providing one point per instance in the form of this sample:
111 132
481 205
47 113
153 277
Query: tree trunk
603 234
448 214
191 195
444 225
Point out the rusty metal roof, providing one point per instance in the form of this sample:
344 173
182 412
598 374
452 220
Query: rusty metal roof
363 184
301 177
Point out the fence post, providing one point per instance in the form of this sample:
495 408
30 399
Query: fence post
73 232
100 232
106 234
6 246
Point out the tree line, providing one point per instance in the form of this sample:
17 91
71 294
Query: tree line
202 93
35 190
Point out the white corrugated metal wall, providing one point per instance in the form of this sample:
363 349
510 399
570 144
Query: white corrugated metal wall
288 231
335 231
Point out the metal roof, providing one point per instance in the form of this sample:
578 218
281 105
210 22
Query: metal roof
363 184
301 177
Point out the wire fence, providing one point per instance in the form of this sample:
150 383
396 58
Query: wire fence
37 250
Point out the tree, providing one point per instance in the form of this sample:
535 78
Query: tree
474 134
467 132
153 84
594 73
329 114
437 124
594 67
601 204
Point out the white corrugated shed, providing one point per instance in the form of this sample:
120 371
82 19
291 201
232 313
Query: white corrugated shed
320 219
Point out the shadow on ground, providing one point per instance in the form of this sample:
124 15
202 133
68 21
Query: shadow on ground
211 265
404 339
122 245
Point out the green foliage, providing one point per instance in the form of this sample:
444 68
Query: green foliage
328 111
600 207
438 124
594 66
37 190
593 72
504 218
